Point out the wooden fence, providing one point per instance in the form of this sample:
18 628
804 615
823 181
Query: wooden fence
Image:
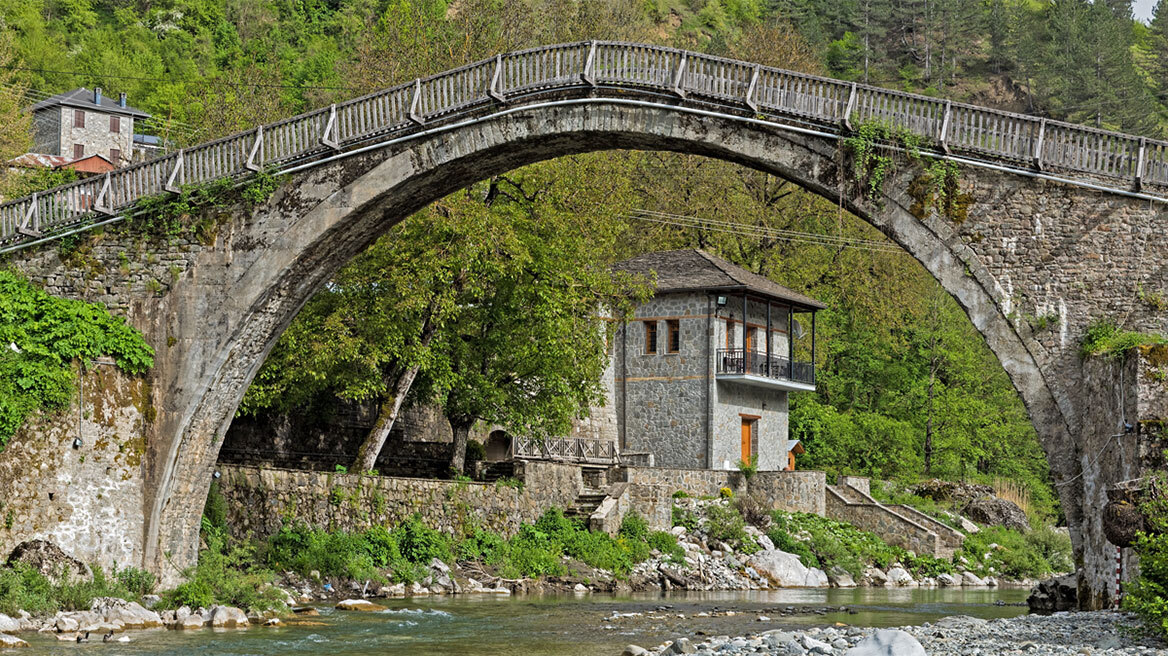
607 69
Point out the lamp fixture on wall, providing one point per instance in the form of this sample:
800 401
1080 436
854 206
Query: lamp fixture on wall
721 301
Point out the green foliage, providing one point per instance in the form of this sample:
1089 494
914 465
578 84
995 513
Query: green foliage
1103 338
421 544
508 481
1004 552
196 207
830 543
341 469
724 522
24 588
684 517
1147 596
50 333
39 179
749 469
871 146
228 573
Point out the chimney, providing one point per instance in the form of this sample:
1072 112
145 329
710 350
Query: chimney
122 100
97 96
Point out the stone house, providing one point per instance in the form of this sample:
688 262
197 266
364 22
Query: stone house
82 123
702 371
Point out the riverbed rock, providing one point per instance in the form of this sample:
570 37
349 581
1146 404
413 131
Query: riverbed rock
11 642
359 605
1054 595
971 579
680 646
786 571
993 511
633 650
839 577
229 617
948 580
48 559
190 622
888 642
9 624
899 576
129 613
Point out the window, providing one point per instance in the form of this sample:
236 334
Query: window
674 344
79 118
78 151
115 124
651 337
115 156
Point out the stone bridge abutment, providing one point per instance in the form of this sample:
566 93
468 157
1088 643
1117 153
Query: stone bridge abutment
1032 262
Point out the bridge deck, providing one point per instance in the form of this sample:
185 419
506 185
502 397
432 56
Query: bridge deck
1112 161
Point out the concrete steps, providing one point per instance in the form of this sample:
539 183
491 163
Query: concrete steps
585 504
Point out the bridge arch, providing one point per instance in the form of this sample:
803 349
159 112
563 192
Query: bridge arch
271 262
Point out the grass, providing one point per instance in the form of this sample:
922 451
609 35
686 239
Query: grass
1014 491
1003 552
24 588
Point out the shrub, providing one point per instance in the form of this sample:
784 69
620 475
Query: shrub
666 543
24 588
634 527
784 542
227 574
840 544
684 517
1000 551
420 543
725 523
752 508
304 550
725 492
1147 596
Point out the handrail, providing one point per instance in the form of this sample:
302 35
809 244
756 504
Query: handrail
758 363
576 449
605 69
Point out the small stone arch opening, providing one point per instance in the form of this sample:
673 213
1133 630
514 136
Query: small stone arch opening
497 447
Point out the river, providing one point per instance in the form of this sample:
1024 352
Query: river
554 625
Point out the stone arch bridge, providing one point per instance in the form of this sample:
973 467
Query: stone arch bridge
1059 225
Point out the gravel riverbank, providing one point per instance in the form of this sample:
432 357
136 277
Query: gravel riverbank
1102 632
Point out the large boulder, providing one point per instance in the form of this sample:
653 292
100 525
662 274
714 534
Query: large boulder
958 493
1054 595
130 614
888 642
48 559
11 642
993 511
229 617
786 571
9 624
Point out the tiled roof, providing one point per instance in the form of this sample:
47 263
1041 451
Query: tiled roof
694 269
82 98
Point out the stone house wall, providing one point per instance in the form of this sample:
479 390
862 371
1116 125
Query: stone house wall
671 405
95 136
260 500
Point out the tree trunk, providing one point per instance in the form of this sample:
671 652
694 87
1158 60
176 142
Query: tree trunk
929 431
461 429
375 440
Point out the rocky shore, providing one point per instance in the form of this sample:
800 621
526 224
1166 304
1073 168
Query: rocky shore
1101 632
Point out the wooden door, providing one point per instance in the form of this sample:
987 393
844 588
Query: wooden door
747 431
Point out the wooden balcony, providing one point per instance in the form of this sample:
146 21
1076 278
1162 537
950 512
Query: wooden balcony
757 369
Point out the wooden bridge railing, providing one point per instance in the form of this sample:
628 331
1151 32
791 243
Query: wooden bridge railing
977 133
573 449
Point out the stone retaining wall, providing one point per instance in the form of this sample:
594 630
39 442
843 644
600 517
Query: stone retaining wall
260 500
792 491
893 528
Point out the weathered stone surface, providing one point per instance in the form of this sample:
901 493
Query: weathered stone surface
48 559
840 577
993 511
11 642
360 605
786 571
130 614
192 621
1054 595
229 617
888 642
9 624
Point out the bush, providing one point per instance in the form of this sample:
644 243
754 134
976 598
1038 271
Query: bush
304 550
725 523
420 543
684 517
839 544
1000 551
228 574
753 509
1147 596
24 588
666 543
784 542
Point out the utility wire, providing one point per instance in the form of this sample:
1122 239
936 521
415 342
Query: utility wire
140 78
856 240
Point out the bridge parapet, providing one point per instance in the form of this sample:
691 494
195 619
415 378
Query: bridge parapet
603 70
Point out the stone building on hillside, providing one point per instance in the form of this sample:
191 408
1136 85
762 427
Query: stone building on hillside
81 123
696 386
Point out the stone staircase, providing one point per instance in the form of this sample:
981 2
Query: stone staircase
586 503
903 526
494 471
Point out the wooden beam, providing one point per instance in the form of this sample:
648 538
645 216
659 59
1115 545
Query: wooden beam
850 107
175 179
329 137
944 140
1038 145
588 76
750 102
101 203
1141 162
251 163
417 99
495 79
30 226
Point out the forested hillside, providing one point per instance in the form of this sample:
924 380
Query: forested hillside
907 387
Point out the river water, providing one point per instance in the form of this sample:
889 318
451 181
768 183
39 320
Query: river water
554 625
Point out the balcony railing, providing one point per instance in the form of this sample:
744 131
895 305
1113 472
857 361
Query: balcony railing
754 363
575 449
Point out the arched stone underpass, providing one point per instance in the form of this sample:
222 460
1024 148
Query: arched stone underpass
1028 248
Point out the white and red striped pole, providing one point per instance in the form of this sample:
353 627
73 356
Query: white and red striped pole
1118 575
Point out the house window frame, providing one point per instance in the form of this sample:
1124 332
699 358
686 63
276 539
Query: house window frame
79 118
650 337
78 151
115 124
115 156
673 336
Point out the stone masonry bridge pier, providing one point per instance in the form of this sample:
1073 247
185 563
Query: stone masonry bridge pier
1055 226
